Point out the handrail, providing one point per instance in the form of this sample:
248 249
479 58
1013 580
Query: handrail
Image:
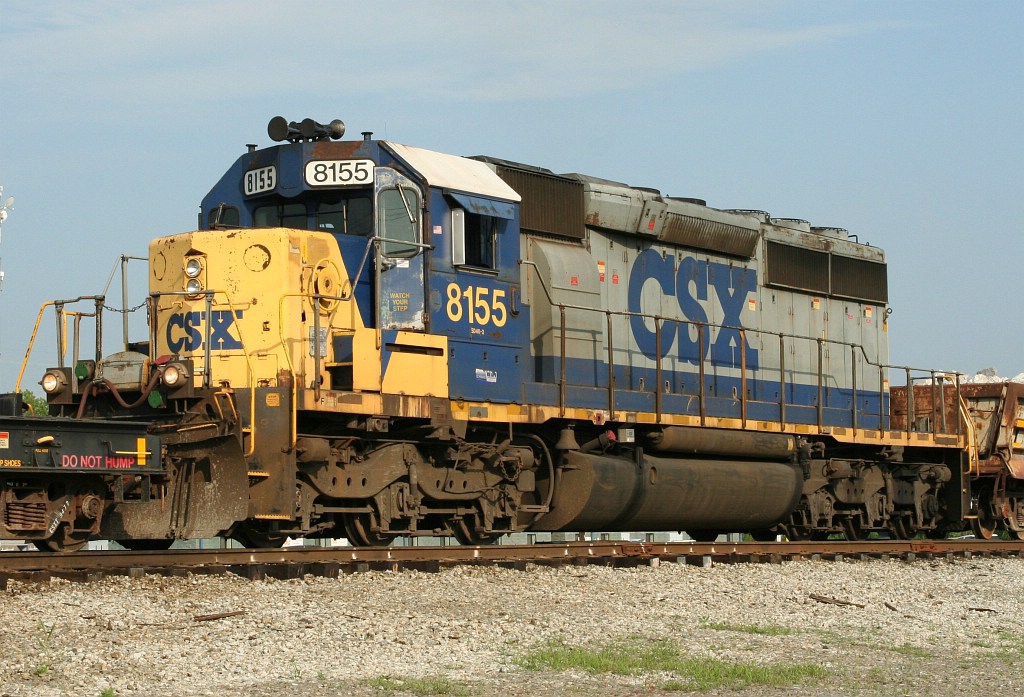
61 319
370 243
31 344
974 461
316 299
822 344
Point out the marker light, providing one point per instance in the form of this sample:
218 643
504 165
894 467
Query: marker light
52 382
193 267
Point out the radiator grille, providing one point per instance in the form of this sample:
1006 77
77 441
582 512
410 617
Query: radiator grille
713 235
829 274
859 279
796 267
551 204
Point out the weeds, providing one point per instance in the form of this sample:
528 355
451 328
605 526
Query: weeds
44 639
442 687
640 657
913 651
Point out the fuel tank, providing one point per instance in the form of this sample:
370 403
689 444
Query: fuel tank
599 492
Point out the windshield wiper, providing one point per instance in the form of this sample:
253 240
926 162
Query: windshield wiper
401 192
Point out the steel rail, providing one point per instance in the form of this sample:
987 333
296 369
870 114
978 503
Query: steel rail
295 562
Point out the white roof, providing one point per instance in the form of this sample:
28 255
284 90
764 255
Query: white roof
454 172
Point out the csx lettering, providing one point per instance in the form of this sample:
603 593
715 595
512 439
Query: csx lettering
185 331
690 285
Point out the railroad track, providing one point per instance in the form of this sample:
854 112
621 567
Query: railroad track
295 562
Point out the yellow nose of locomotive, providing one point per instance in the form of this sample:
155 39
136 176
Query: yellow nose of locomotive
238 310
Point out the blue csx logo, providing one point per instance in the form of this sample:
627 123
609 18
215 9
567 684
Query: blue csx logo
185 331
690 284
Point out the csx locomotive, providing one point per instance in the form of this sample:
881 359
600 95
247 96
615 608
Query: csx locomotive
365 339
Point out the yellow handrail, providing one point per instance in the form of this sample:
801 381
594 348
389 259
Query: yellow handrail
330 311
31 343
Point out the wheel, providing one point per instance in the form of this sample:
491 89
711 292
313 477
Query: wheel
360 533
984 527
63 541
468 531
146 545
260 536
769 535
985 524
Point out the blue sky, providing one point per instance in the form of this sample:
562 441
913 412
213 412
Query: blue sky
900 121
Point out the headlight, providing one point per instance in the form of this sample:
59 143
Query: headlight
174 375
193 267
52 383
194 286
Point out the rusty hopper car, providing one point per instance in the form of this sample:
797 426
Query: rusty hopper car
992 415
371 340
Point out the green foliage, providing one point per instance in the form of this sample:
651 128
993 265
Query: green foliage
913 651
44 639
37 405
630 657
441 687
639 657
109 692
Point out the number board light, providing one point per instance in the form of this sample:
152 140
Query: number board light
338 173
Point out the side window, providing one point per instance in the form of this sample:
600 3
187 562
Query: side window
398 221
473 239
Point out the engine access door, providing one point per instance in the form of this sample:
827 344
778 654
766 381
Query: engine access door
400 252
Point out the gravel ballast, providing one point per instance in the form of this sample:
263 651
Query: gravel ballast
926 627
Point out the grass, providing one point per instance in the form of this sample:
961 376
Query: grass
441 687
1007 649
642 657
44 639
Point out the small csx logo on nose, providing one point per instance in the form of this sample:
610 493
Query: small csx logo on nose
185 331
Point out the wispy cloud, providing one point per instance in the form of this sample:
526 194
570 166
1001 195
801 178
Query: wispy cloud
115 53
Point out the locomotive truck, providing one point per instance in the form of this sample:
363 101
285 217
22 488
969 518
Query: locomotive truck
366 339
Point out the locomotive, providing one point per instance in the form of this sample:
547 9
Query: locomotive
370 340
